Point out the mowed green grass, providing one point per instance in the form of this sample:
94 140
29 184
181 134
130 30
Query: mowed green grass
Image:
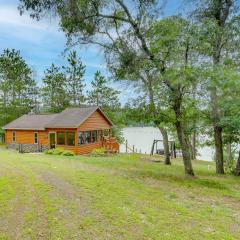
116 197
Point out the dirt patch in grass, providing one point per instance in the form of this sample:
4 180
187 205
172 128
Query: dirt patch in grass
64 189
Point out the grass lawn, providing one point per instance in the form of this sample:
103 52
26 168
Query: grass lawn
117 197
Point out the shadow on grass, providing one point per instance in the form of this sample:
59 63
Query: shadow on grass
177 178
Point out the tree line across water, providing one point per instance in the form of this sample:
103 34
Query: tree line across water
185 67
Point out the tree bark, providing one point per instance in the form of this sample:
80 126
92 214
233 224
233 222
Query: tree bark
220 12
190 147
238 165
164 133
182 137
218 150
194 149
229 152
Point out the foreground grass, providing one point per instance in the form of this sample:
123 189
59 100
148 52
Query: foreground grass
117 197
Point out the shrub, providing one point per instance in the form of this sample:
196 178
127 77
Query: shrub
58 151
46 151
50 151
230 166
98 152
67 153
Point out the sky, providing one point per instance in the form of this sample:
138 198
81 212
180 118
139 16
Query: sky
42 43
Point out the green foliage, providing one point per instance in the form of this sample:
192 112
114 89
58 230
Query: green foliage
101 95
55 98
75 79
230 166
108 99
117 133
18 89
67 153
98 152
59 151
50 151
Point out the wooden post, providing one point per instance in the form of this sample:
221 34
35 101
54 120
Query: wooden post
126 146
133 148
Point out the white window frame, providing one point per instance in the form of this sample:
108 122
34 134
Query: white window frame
14 136
35 138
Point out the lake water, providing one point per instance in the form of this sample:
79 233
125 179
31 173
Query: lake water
142 139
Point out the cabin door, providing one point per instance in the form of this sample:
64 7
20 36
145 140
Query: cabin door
52 139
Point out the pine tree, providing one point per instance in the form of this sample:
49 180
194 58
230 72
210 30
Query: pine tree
18 89
54 93
102 95
75 79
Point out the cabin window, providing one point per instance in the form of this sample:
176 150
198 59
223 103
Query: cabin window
99 136
70 138
106 132
14 136
88 137
35 138
81 138
61 138
94 136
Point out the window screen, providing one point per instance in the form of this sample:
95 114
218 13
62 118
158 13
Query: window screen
94 136
99 136
88 137
81 138
70 138
61 138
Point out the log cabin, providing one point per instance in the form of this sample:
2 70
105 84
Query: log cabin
80 130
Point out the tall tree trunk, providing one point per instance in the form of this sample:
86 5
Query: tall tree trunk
182 137
190 148
164 133
218 150
238 165
194 148
229 152
220 12
183 140
163 130
217 132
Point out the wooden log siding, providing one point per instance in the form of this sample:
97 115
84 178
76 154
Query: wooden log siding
26 136
95 122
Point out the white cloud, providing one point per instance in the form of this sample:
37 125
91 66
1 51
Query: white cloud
25 29
9 15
